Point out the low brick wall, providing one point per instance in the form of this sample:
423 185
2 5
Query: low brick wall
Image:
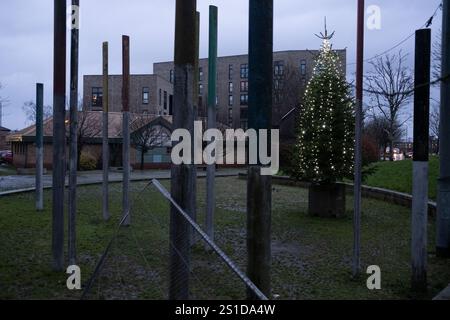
394 197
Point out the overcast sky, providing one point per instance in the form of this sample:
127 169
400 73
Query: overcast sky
26 35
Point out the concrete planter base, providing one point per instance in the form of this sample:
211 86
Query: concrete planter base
327 200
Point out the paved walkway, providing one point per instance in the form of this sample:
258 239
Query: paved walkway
13 184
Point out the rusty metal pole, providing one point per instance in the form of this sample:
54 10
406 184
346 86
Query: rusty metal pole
356 263
39 146
183 180
419 249
126 127
105 146
73 149
259 187
59 133
212 121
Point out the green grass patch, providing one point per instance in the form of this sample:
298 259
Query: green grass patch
7 170
397 176
311 257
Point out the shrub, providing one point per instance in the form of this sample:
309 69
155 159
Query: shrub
370 153
87 162
286 158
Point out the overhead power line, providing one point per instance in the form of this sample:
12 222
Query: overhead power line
427 24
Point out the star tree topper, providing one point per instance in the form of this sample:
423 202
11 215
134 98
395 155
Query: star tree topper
326 38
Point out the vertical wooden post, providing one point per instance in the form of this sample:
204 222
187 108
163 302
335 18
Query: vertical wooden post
356 263
212 120
259 188
126 127
105 145
73 149
39 146
420 160
184 176
59 133
443 199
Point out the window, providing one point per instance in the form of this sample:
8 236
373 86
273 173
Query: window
278 69
171 76
160 96
244 113
244 99
145 95
244 86
277 97
230 72
200 89
278 84
217 101
97 97
244 125
244 71
303 67
200 74
230 117
230 100
165 100
230 87
304 81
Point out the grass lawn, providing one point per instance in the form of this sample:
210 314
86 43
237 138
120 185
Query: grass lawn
311 256
398 176
7 170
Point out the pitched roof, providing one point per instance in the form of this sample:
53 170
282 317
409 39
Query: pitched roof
4 129
91 122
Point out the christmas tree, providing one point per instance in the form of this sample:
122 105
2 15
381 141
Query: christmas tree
325 132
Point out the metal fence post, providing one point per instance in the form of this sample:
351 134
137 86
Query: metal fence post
39 146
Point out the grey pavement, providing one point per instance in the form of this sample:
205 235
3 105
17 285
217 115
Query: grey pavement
16 183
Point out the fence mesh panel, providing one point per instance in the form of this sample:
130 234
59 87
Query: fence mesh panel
137 264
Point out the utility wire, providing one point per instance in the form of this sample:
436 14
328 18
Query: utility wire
427 24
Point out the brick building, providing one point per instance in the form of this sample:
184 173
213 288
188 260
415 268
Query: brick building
24 146
3 133
149 94
291 70
153 94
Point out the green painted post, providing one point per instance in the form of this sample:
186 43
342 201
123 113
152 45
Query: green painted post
212 123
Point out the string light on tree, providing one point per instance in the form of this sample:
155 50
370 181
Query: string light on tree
325 132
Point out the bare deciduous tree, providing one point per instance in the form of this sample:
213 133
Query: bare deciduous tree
88 127
437 57
435 124
3 102
390 87
377 128
145 137
29 108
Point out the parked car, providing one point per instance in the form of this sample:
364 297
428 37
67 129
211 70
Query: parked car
398 155
6 157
